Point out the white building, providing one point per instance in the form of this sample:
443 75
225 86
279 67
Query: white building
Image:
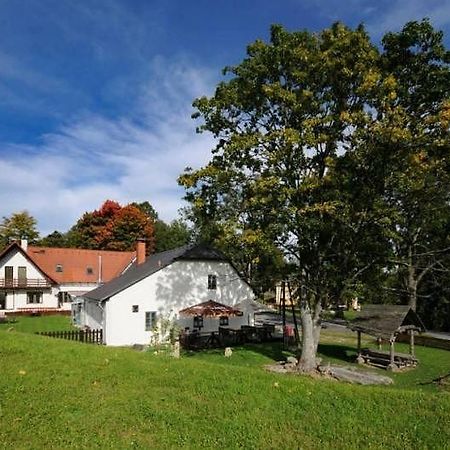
45 278
24 284
130 307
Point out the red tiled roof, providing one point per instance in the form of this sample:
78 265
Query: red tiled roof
80 265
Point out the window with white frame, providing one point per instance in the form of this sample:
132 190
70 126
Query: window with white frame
212 282
150 320
34 297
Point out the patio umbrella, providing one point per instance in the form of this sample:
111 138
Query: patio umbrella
210 308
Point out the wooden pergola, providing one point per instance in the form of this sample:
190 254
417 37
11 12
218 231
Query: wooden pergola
386 322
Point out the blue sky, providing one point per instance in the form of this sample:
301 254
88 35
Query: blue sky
95 95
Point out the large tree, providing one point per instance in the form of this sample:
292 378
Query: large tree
20 225
112 227
282 122
325 151
417 185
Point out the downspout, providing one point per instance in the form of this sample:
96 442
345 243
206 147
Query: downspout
99 269
100 304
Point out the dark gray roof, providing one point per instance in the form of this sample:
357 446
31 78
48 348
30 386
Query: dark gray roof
153 263
385 320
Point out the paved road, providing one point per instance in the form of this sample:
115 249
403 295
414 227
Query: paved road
276 319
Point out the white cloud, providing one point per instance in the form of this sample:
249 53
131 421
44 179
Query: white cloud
94 158
399 12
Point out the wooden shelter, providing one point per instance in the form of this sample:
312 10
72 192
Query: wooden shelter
386 322
211 308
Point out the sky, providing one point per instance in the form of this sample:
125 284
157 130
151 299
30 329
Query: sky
96 95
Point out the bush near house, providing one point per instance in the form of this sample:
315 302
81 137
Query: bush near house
62 394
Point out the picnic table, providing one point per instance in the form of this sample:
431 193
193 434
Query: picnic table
382 358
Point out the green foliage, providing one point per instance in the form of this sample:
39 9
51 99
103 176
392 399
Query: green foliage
20 225
55 239
171 235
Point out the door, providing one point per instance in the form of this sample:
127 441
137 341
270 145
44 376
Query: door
22 276
2 300
8 275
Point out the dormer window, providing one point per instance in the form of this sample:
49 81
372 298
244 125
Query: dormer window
212 282
89 270
59 268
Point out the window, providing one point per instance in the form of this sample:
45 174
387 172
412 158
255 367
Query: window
135 308
212 281
150 320
198 322
64 297
34 297
59 268
2 300
89 270
223 321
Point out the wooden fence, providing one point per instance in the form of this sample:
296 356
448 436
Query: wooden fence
426 341
86 336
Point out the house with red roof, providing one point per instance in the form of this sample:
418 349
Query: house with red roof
33 278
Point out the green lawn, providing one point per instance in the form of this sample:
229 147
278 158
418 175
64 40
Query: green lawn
62 394
32 324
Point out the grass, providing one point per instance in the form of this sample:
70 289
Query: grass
32 324
63 394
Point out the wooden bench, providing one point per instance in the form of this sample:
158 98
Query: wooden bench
381 358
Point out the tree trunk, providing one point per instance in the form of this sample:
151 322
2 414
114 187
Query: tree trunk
411 282
310 336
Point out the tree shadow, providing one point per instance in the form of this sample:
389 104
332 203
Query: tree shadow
340 352
271 349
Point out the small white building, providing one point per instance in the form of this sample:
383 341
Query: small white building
131 307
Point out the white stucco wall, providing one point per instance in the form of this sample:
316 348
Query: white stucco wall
175 287
16 259
92 315
17 298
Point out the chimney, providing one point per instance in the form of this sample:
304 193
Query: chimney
24 244
140 251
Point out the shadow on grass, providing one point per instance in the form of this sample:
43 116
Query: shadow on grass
273 350
338 352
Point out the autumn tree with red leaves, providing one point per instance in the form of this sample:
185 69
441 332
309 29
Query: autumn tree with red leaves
113 227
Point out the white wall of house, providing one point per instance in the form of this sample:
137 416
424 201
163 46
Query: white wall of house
75 290
166 292
16 259
93 315
19 298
